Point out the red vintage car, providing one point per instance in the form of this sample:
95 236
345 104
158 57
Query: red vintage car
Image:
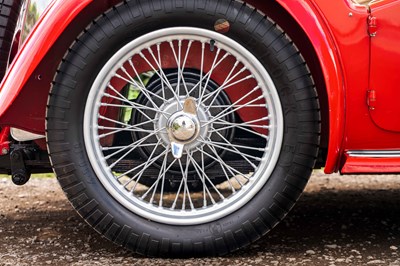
191 127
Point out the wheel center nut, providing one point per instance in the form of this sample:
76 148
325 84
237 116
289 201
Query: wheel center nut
183 128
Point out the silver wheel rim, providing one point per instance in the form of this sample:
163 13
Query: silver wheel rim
213 201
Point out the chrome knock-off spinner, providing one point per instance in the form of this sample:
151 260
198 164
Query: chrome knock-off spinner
183 127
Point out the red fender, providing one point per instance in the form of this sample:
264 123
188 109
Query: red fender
26 86
36 63
308 17
48 30
317 31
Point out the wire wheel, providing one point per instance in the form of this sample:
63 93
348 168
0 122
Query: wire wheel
185 129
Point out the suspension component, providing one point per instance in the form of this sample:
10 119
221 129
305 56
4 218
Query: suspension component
20 174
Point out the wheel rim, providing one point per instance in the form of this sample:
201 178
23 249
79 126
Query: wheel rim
191 125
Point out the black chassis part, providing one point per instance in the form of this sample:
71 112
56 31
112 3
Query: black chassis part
25 158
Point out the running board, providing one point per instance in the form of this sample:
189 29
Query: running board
371 162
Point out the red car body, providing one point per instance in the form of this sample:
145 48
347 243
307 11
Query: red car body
351 49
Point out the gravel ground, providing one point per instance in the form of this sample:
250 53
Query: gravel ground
340 220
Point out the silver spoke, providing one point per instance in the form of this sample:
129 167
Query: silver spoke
203 47
125 100
142 87
160 62
116 130
178 192
223 167
143 90
227 80
131 147
243 155
184 66
163 181
224 85
119 129
247 123
208 179
228 168
213 67
238 105
121 147
225 113
207 75
239 125
213 130
125 124
228 144
222 163
227 86
203 177
149 162
162 76
186 192
142 165
223 147
161 175
179 62
134 105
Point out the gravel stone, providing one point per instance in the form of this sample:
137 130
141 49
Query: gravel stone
310 252
339 220
333 246
376 262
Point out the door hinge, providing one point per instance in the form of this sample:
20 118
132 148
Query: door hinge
371 99
372 26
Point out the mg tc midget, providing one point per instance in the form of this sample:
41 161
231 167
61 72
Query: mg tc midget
191 127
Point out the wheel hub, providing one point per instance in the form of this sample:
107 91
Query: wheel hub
182 128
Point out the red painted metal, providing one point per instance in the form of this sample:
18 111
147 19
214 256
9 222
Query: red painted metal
15 46
311 20
385 67
5 140
27 85
360 165
52 24
333 36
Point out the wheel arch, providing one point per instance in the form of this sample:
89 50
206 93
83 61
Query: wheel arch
306 26
27 83
30 76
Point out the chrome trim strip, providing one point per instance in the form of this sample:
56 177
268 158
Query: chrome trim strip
375 153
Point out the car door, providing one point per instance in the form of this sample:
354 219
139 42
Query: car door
384 91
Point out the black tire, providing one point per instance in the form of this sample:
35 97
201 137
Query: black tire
9 13
89 197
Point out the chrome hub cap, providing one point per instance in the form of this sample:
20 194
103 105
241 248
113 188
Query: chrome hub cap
183 127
